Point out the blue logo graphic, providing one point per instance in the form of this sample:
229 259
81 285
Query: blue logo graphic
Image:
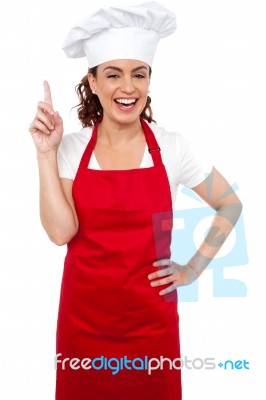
189 230
239 364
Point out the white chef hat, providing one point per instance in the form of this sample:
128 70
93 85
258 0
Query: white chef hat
120 32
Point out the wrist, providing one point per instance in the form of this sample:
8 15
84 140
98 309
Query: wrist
47 158
47 154
196 270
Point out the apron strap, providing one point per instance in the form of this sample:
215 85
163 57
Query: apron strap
85 159
153 146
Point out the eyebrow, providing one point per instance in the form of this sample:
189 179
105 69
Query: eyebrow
120 70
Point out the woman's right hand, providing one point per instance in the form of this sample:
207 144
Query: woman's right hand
47 127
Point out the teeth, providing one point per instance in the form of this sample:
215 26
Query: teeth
126 101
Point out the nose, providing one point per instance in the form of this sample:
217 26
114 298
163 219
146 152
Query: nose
127 85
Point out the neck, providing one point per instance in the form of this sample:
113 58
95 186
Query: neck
116 134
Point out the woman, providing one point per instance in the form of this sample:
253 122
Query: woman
107 192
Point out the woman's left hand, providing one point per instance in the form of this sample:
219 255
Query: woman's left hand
174 274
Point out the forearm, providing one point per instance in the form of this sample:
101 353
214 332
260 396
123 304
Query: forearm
222 224
57 216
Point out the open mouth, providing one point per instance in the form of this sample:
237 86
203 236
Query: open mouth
126 103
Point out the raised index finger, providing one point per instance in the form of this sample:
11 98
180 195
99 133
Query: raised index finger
47 94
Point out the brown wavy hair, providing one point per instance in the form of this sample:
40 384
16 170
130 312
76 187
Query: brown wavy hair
90 109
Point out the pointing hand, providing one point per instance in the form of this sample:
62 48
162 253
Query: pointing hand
47 127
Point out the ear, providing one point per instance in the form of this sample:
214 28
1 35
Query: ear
91 80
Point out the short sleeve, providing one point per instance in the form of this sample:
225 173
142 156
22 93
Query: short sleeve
65 170
70 152
192 170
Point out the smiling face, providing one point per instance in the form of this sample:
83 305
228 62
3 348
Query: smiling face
122 88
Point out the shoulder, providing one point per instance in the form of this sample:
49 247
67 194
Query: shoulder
74 144
183 162
169 140
76 141
70 151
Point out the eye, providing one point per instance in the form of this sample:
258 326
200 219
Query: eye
139 76
113 76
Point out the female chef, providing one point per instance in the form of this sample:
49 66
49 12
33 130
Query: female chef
101 192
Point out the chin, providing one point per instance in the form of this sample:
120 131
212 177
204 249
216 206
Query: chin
126 119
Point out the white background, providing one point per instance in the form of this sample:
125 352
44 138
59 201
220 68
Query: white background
209 84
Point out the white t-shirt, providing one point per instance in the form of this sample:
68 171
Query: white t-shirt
181 164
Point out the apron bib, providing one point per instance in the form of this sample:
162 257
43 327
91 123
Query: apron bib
108 310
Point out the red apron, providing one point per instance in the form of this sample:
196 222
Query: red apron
111 322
